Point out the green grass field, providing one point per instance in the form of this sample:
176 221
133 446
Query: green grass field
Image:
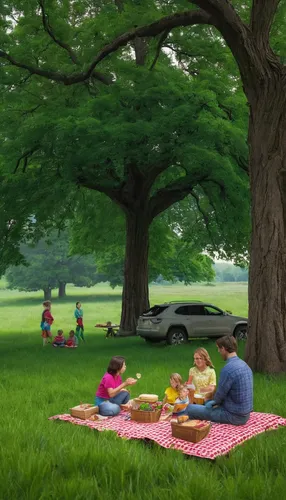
41 459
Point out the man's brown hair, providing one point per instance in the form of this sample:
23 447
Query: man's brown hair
228 342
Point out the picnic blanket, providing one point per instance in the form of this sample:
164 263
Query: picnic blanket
221 439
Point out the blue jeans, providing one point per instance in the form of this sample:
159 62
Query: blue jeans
215 414
111 408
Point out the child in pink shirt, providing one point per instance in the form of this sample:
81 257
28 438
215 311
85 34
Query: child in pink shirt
111 392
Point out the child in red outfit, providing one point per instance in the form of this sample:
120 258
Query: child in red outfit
47 321
59 340
72 340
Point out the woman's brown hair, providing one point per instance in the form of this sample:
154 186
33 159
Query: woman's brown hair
115 364
205 355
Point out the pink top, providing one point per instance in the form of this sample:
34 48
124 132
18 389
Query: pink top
108 381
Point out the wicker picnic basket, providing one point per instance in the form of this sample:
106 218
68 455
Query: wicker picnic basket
83 411
146 417
188 432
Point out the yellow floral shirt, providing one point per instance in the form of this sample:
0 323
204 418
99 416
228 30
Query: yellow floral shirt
171 395
203 379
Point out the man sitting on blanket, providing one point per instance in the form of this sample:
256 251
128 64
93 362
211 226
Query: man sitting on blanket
233 399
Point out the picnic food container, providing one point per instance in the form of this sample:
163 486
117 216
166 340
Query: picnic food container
147 398
199 399
192 430
191 395
146 417
83 411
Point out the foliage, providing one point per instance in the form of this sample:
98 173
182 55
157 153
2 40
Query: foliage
88 134
48 264
170 254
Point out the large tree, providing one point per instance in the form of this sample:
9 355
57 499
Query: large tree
147 141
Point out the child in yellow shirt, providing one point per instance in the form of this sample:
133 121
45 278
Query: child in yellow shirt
171 393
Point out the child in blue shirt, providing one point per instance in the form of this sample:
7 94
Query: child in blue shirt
78 314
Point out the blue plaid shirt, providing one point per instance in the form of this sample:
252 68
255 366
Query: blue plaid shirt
235 388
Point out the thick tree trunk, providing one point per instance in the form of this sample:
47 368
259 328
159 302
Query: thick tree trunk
135 295
266 345
47 293
62 289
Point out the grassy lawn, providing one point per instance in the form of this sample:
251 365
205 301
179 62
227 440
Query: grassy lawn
54 460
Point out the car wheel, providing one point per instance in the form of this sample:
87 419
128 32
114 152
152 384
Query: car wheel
151 341
177 336
240 333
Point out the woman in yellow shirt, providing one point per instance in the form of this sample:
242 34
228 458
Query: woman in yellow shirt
202 375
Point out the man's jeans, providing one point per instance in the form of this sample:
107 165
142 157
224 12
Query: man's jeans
111 407
215 414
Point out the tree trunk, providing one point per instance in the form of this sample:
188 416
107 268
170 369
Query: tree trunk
62 289
135 295
47 293
266 345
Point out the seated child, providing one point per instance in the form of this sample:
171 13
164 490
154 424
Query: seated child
181 402
59 340
171 393
110 332
72 340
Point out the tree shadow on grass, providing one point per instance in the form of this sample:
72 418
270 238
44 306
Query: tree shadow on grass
70 299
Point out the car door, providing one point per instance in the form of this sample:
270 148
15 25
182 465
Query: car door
181 317
217 323
196 320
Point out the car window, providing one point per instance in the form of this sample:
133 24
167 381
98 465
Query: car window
154 311
213 311
191 310
184 310
196 310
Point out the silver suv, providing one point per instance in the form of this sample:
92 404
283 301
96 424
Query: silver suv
178 321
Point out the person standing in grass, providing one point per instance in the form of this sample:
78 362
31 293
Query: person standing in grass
46 322
233 400
111 392
78 314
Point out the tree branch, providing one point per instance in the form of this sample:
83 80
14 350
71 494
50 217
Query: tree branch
159 47
173 192
202 212
186 18
204 216
50 32
237 35
111 188
25 156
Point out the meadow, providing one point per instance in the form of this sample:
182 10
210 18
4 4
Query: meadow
42 459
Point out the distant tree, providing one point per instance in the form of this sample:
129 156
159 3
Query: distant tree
49 265
227 271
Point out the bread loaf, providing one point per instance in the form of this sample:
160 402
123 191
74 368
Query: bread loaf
149 398
182 418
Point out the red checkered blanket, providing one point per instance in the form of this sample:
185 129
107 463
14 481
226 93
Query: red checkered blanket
221 439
